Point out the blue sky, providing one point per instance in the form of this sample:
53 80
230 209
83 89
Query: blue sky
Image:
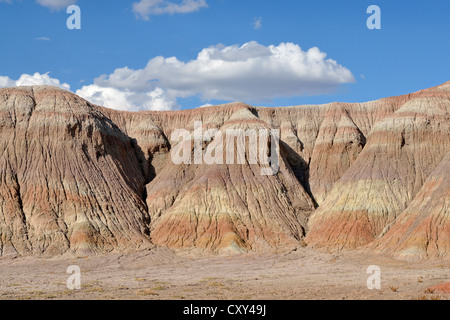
409 53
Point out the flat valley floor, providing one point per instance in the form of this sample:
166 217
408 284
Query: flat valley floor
162 274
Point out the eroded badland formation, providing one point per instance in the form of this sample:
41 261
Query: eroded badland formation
75 177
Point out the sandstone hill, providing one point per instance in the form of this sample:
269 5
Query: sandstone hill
85 179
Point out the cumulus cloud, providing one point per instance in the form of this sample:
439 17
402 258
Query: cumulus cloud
33 80
145 8
251 72
56 4
125 99
6 82
51 4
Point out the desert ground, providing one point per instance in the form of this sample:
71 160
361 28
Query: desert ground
164 274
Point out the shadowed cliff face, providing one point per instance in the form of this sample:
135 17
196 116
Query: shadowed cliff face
82 178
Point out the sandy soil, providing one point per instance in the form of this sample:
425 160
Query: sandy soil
163 274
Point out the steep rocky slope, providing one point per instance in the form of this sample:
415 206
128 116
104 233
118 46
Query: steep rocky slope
423 229
82 178
70 179
401 152
219 206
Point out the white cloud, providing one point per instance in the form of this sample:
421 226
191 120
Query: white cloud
43 39
206 105
56 4
51 4
146 8
257 24
250 73
33 80
6 82
123 99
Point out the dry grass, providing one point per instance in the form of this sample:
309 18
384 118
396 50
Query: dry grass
146 292
140 279
159 288
95 289
216 284
424 297
15 285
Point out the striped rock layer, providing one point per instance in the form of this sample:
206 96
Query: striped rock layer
81 178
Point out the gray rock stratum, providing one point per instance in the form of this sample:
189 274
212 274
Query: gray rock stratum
81 178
